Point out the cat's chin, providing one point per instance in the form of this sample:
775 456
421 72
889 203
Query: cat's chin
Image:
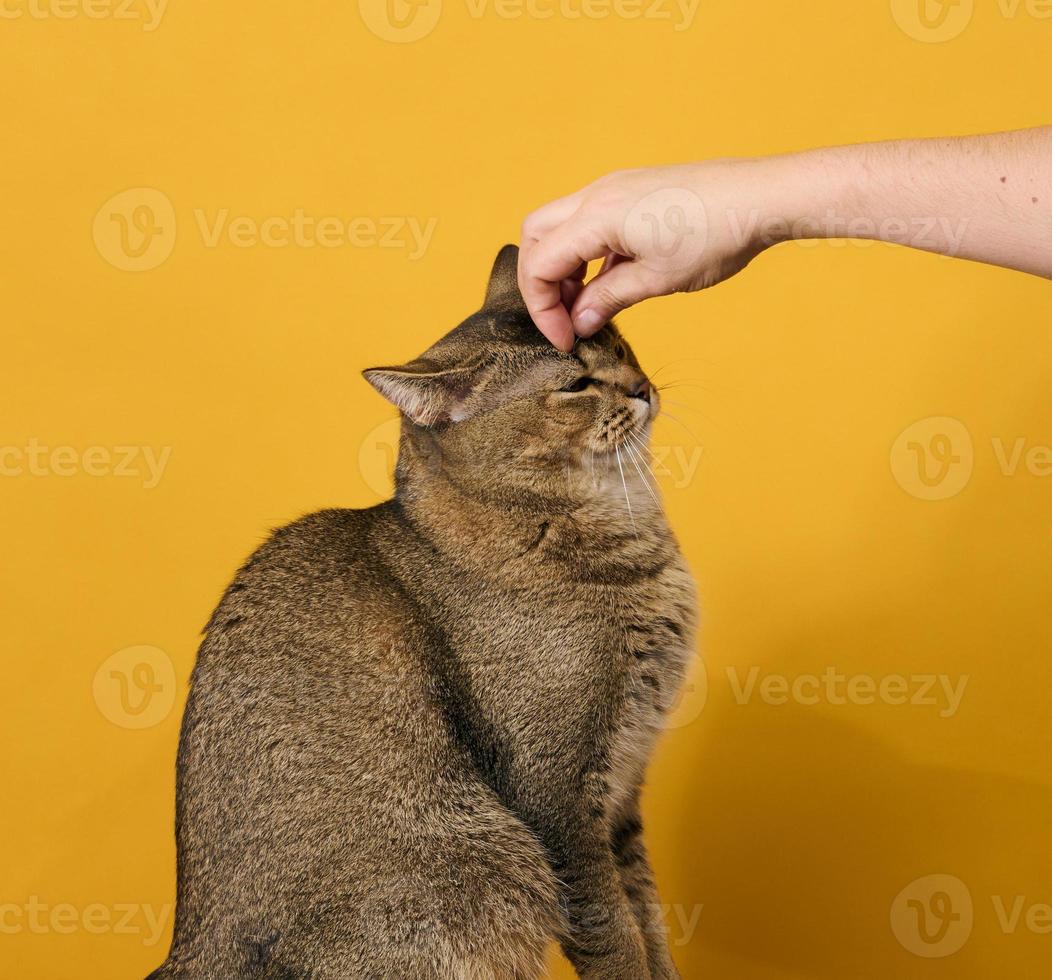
635 439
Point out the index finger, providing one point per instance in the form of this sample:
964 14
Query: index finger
547 301
544 264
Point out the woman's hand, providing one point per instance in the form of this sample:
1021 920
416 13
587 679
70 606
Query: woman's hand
683 228
660 231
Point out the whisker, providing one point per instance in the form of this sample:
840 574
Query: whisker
644 452
664 367
624 483
645 457
688 360
671 417
669 401
685 384
632 455
696 411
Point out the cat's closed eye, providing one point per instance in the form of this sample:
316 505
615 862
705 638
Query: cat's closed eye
578 384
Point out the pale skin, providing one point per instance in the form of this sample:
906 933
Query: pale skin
683 228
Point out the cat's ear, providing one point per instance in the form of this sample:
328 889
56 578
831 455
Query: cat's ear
503 289
424 395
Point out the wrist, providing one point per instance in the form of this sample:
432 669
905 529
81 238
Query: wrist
819 194
770 200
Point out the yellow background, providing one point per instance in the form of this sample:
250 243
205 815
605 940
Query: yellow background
792 827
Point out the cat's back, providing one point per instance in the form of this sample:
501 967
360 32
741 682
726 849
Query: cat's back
313 645
314 584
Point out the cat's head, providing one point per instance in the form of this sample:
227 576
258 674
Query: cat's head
494 403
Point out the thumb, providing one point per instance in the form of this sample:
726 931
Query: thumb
615 289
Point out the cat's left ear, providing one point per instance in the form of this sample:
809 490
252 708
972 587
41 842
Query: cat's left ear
502 290
426 396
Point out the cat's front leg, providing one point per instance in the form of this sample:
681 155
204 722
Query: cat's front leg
630 856
603 939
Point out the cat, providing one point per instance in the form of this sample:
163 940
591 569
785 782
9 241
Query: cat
417 733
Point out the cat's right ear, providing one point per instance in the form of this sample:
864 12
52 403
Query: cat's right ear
425 396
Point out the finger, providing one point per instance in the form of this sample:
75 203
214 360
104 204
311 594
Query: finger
571 287
557 256
547 305
551 320
604 296
548 216
610 261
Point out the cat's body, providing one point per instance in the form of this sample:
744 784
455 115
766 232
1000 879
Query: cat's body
417 733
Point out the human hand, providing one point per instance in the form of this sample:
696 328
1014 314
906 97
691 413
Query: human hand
659 231
678 229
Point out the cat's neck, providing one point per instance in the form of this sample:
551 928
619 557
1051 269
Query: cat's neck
596 519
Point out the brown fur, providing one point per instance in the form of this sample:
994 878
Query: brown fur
417 733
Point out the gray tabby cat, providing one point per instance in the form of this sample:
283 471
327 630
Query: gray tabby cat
417 733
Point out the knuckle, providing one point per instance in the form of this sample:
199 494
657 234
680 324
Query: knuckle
607 298
530 230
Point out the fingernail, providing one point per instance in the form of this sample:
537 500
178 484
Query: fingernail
587 320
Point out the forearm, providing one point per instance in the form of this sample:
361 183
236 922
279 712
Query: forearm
987 198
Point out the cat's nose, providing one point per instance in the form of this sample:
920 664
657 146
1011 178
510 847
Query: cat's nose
641 389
